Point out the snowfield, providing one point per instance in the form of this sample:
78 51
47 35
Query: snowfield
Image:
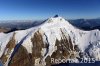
87 41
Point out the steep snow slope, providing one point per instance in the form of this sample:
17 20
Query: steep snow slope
55 38
4 39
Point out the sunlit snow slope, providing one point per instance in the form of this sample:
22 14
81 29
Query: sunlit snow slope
55 38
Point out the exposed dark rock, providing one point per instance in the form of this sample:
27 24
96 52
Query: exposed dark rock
56 16
21 58
65 50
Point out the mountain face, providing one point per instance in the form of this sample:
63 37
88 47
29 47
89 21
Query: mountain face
56 38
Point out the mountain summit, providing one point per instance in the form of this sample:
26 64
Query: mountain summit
55 38
56 16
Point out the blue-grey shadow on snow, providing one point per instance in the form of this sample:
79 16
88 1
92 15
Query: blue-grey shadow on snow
1 64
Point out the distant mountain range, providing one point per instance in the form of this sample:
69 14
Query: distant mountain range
8 26
86 24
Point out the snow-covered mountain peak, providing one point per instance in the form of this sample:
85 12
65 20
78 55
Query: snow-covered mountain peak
55 19
55 38
57 22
